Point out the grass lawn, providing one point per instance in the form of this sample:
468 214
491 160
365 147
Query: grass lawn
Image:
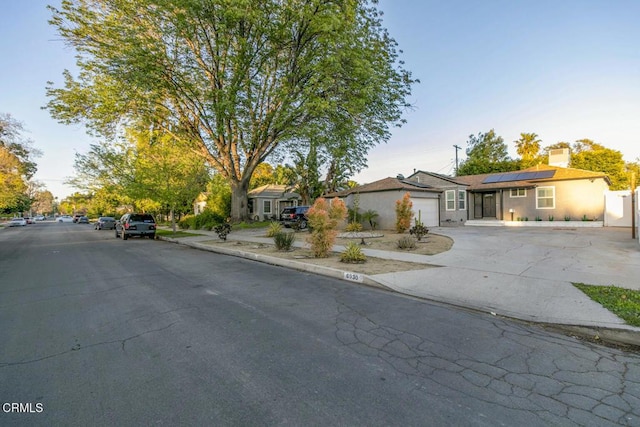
624 303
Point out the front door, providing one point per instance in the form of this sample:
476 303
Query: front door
484 205
489 205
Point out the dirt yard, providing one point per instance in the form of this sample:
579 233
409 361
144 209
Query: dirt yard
430 245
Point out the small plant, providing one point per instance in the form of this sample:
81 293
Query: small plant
323 220
567 218
526 218
222 230
538 218
550 217
404 213
418 230
284 240
407 242
353 254
584 218
370 217
274 228
353 227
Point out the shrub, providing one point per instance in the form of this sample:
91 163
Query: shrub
419 230
551 218
222 230
353 254
323 220
274 228
404 213
567 218
407 242
353 227
284 240
370 217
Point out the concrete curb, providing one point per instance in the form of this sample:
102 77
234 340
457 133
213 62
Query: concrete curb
600 334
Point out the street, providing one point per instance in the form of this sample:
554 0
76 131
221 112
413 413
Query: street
100 331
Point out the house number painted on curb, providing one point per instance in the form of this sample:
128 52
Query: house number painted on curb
354 277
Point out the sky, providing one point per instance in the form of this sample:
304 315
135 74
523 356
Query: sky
564 69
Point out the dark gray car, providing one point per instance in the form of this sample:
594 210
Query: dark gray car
135 224
105 223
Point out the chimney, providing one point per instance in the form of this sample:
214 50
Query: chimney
559 157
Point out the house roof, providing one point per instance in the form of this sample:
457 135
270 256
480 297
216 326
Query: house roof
529 177
386 184
453 180
273 191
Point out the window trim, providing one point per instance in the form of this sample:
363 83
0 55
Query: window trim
517 195
462 200
451 199
264 207
552 197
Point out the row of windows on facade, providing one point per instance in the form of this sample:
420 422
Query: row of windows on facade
545 198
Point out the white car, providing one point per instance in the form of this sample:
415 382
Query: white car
17 222
65 218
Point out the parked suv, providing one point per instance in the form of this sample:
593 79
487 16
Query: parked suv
134 224
294 216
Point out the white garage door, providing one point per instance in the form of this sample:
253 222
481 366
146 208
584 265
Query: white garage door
429 211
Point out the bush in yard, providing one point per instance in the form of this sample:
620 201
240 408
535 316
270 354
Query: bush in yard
403 213
419 230
274 228
222 230
353 254
284 240
353 227
407 242
323 221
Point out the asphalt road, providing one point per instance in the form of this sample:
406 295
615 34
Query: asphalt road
99 331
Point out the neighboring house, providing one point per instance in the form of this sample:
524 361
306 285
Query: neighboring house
268 201
381 196
264 202
540 192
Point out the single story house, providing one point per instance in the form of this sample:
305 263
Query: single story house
268 201
540 192
381 196
264 202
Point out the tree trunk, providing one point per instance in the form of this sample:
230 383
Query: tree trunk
173 220
239 190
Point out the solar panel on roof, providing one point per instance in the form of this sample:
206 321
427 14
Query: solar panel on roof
545 174
491 179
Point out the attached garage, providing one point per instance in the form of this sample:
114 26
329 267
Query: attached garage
428 210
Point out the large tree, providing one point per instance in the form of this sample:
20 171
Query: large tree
486 153
528 148
235 78
589 155
17 166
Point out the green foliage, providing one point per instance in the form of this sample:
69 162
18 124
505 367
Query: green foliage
567 218
353 227
419 230
486 153
274 228
528 147
323 219
404 213
238 79
624 303
284 240
370 217
353 254
591 156
218 196
551 218
407 242
222 230
204 221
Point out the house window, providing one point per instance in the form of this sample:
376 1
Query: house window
266 206
518 192
462 200
450 196
545 198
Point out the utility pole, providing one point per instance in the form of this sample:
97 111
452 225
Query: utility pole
634 209
457 148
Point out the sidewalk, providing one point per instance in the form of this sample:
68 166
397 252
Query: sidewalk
519 273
